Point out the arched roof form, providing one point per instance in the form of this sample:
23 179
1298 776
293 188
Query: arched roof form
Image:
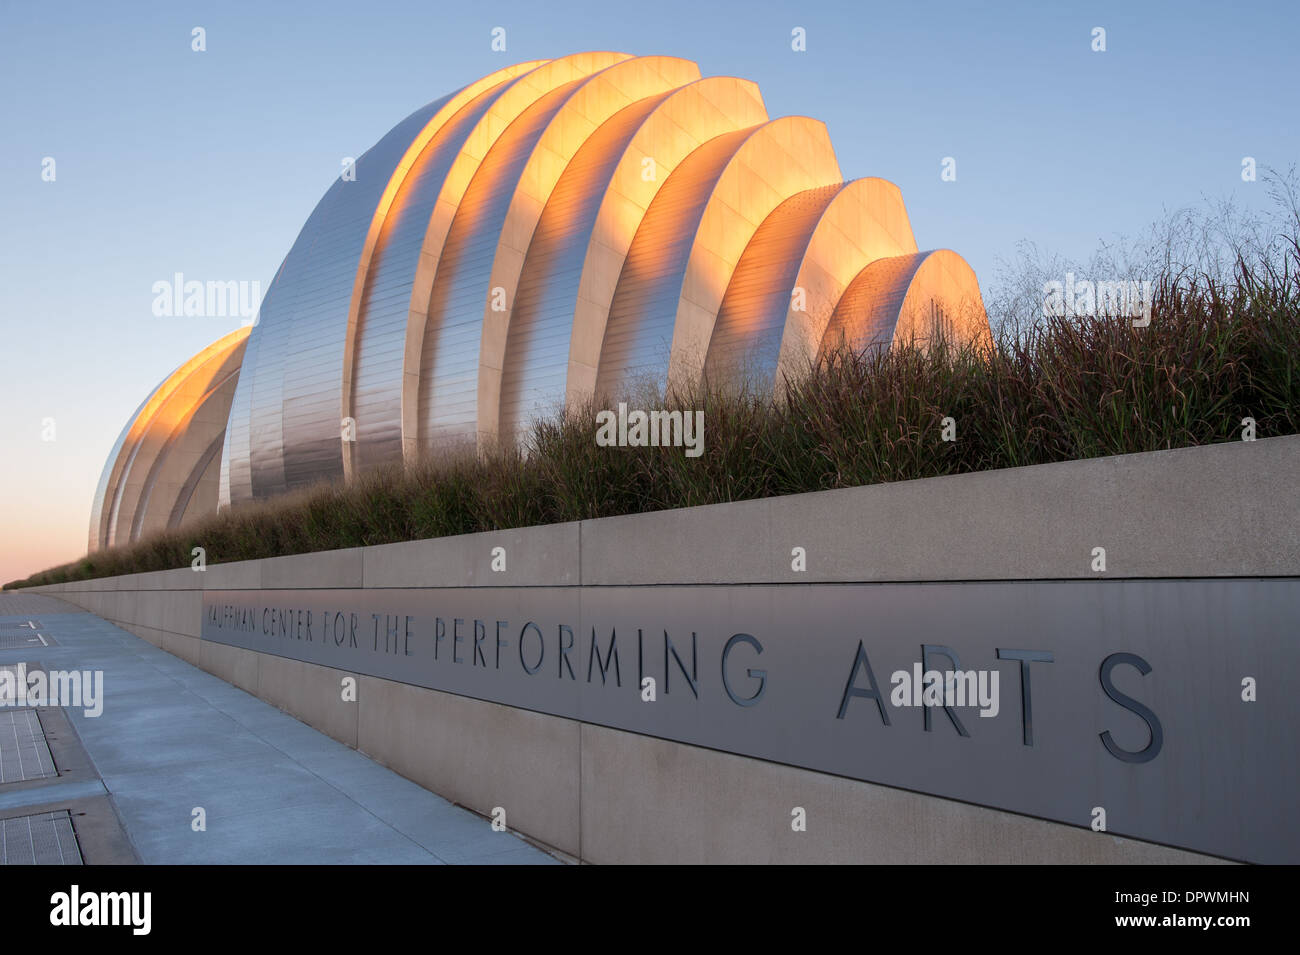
594 225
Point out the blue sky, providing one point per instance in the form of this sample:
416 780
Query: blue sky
168 160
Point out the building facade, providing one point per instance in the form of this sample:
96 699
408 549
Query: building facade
593 225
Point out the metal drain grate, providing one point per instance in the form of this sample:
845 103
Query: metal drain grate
23 639
24 754
44 839
10 678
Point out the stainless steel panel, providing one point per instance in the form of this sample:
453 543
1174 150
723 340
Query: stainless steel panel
448 403
535 371
263 365
867 312
746 340
236 482
114 535
102 505
193 433
294 362
381 337
186 493
639 335
170 429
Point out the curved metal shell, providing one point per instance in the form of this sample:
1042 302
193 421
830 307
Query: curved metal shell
592 225
372 385
502 114
536 346
375 340
164 465
285 429
685 120
912 299
690 242
794 272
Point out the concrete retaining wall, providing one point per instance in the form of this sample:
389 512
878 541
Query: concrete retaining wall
608 796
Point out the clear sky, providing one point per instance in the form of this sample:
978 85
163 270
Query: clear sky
168 160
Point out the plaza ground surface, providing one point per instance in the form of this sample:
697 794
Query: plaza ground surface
125 786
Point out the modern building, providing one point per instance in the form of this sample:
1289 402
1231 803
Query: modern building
557 230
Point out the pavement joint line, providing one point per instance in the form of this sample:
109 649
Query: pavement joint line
327 782
54 790
100 643
308 769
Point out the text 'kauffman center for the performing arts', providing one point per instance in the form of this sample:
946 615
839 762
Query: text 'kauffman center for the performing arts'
557 230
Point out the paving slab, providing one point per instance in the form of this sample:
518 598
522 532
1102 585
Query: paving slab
173 739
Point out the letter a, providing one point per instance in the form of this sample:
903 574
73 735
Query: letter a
850 691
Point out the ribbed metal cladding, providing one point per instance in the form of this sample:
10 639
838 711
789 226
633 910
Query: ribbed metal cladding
160 447
311 386
113 537
868 310
541 322
180 461
639 334
746 340
381 343
293 402
263 377
449 365
532 179
208 469
236 465
105 491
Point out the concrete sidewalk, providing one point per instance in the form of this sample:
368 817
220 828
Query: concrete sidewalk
173 739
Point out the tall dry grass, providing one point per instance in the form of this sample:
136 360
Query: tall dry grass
1223 345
